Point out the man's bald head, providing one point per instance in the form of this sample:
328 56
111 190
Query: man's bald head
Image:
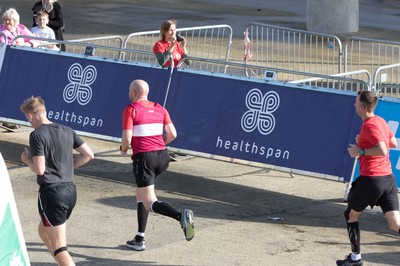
138 89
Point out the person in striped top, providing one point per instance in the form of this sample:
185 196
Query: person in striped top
147 128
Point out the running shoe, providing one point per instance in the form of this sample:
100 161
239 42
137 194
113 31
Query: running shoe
349 262
187 224
136 245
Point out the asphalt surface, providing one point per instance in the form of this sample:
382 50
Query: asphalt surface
234 205
235 209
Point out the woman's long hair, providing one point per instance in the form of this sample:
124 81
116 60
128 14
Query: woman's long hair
48 7
165 27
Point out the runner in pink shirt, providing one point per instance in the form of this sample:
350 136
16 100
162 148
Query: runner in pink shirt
147 128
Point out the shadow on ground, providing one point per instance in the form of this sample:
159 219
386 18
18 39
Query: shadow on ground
216 199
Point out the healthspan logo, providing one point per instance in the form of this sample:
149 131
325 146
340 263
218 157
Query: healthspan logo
78 89
258 116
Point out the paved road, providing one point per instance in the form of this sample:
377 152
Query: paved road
232 205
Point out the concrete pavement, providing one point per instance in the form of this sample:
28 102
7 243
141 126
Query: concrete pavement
233 206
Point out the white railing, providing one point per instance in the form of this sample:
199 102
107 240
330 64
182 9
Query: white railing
4 38
298 50
210 42
2 49
371 55
382 85
348 85
343 81
108 41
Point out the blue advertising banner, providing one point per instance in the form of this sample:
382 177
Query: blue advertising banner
84 93
390 111
271 123
261 122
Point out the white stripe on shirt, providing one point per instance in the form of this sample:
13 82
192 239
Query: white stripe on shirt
148 130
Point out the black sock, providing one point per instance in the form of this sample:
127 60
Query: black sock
139 238
166 210
142 215
353 230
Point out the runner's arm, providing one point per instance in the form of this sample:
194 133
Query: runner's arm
379 149
170 133
125 140
392 142
36 163
84 156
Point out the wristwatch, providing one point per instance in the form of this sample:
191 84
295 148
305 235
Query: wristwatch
362 152
120 149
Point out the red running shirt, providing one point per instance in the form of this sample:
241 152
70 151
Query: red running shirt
374 130
177 54
146 120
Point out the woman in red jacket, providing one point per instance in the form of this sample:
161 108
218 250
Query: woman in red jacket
170 45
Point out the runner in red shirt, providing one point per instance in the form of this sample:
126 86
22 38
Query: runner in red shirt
143 126
376 184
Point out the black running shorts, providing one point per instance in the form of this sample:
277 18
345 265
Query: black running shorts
374 191
147 166
56 202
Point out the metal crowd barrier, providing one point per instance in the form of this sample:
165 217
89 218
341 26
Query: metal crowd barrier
343 81
351 84
210 42
88 49
106 47
376 56
298 50
289 55
381 84
3 37
109 41
2 49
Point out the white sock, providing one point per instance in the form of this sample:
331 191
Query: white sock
140 234
355 256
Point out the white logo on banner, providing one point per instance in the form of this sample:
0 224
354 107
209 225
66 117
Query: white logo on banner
394 126
79 87
260 111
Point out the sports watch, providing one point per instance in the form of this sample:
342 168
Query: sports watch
362 152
